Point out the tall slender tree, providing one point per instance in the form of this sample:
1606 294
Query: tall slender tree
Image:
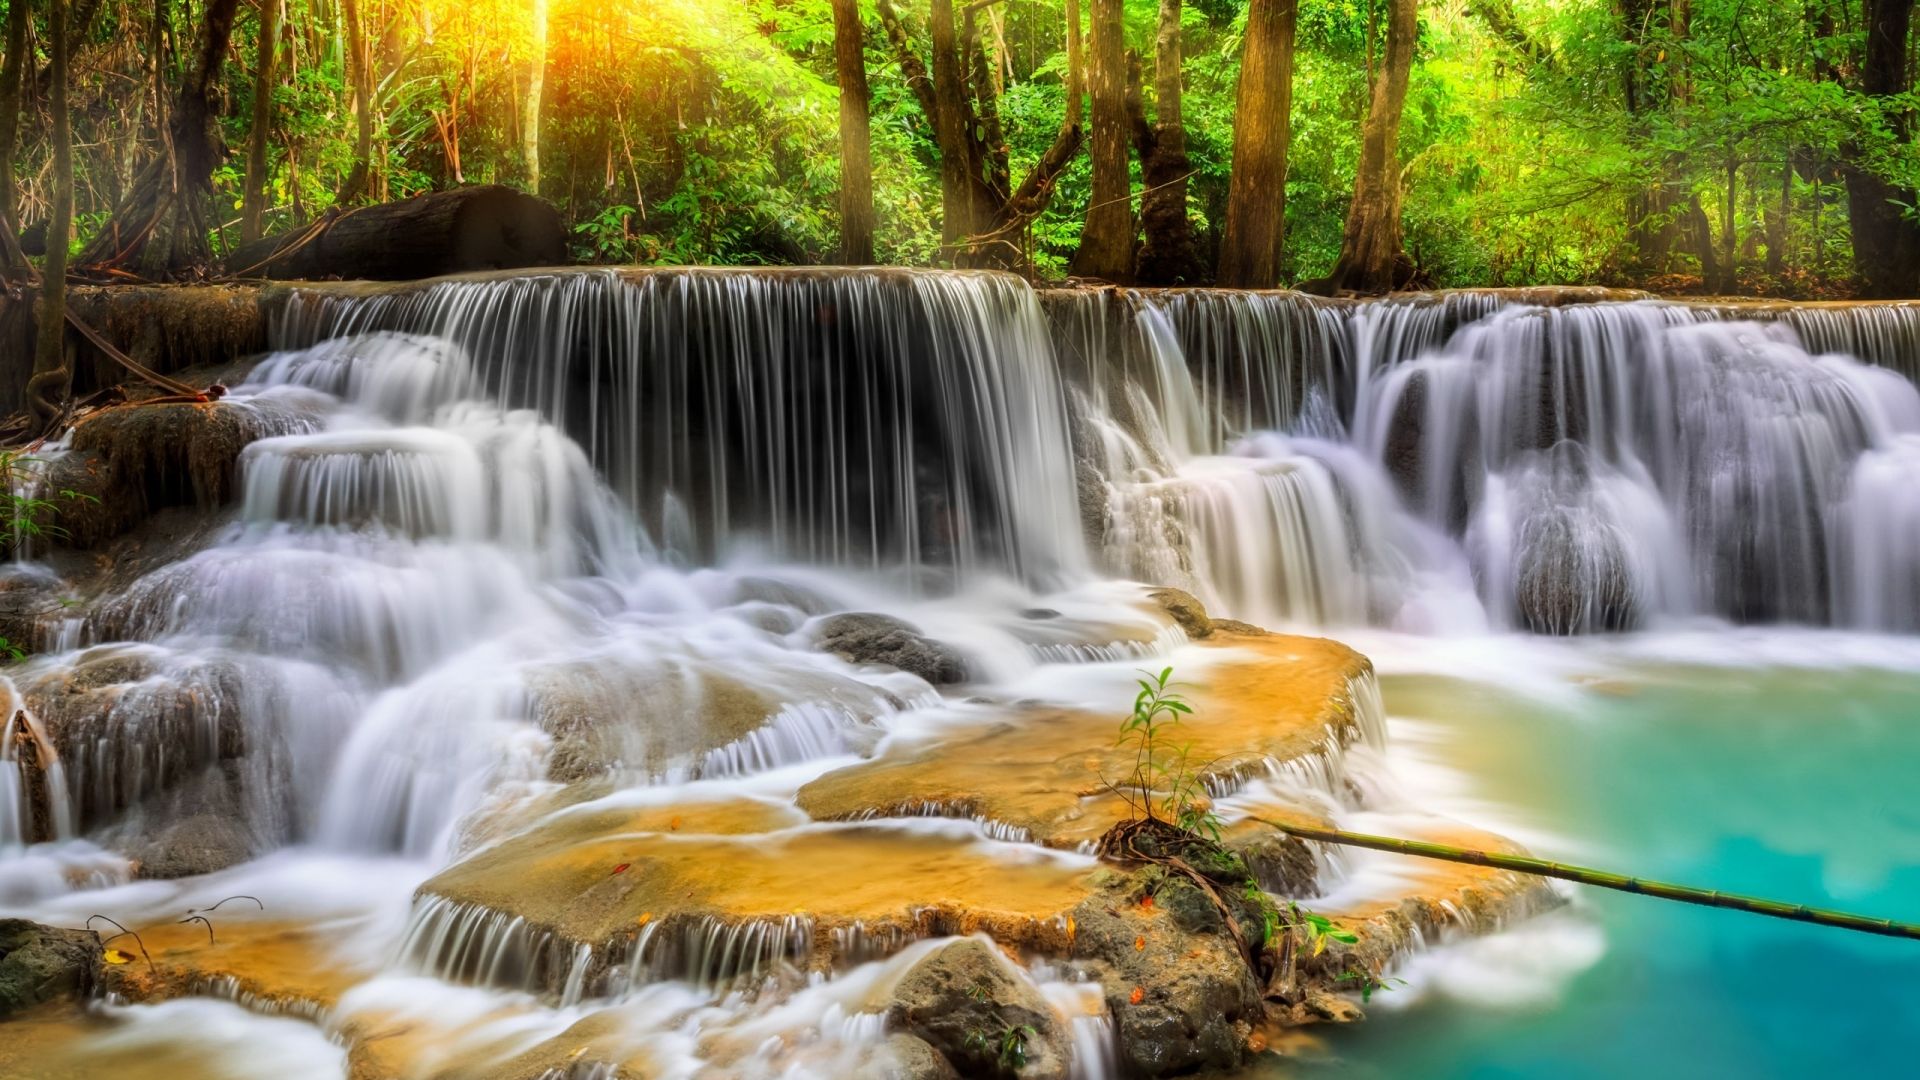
359 180
1106 241
1254 243
856 137
52 380
1886 243
1167 255
13 262
253 206
536 84
1373 256
983 215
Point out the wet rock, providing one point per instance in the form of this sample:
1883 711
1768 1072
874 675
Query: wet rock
985 1020
908 1057
195 827
869 638
1186 611
44 963
130 721
1181 997
29 596
768 590
1573 577
604 719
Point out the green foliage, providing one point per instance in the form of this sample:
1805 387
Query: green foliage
1164 783
1009 1045
1543 140
24 515
1366 983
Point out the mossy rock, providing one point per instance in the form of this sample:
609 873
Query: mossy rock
39 964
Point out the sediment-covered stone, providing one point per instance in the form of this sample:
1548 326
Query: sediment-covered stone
39 964
1049 775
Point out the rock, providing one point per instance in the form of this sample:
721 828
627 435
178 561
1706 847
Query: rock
1573 577
200 844
907 1057
28 594
768 590
1186 611
984 1019
1197 1001
867 638
41 963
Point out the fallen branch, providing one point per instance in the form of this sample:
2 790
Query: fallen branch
1602 879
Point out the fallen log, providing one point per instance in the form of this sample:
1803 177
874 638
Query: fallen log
443 232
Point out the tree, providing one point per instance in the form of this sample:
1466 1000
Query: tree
360 68
1886 245
983 217
1106 243
52 380
1373 256
163 224
536 81
13 262
253 207
856 138
1167 255
1251 252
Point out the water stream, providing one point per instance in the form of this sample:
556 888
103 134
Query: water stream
520 542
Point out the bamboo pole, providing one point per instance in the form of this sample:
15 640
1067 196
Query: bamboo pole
1602 879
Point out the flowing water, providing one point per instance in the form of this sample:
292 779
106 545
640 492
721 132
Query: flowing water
518 542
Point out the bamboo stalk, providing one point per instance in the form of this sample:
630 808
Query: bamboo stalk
1602 879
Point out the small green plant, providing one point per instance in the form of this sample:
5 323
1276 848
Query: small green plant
1164 785
1009 1047
1319 929
24 515
1168 795
1367 983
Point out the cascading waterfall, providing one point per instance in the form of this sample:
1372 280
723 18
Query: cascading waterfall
573 530
890 421
1562 469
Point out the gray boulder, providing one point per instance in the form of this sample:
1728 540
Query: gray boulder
863 637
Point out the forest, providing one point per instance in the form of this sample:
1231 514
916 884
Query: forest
1704 146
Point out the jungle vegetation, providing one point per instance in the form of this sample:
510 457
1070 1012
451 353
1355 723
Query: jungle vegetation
1719 146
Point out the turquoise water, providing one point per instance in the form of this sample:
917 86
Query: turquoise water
1797 784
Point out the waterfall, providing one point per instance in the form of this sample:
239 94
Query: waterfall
881 419
1444 463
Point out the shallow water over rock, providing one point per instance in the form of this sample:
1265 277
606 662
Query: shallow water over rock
633 674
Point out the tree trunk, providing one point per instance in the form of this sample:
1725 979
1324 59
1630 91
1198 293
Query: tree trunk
856 137
253 207
1373 258
961 214
1778 221
13 262
1886 243
360 65
536 82
1167 254
1250 254
983 225
1106 242
52 381
162 225
443 232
